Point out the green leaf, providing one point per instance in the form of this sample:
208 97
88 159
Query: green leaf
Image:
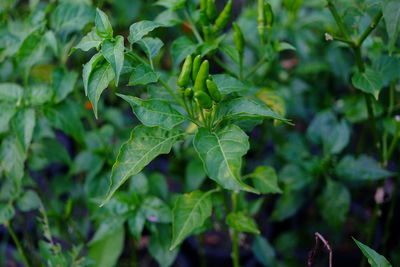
31 50
263 250
181 48
38 94
23 124
190 212
334 203
231 52
171 4
155 210
242 223
158 185
136 225
106 251
144 145
11 92
245 108
151 46
7 112
221 153
374 259
71 16
370 82
65 116
265 180
113 52
287 205
143 74
285 46
12 158
391 14
103 25
388 66
7 212
139 29
63 83
29 201
99 80
325 129
88 69
139 184
362 168
159 246
194 175
89 41
154 112
228 84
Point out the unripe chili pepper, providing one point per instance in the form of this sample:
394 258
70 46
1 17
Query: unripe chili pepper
213 91
269 14
224 17
196 67
203 99
184 77
203 4
238 38
211 10
200 82
189 93
261 19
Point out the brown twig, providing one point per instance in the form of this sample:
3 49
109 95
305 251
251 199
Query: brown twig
313 252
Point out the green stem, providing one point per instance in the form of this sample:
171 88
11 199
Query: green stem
193 26
370 28
241 67
338 19
18 244
358 58
235 233
256 67
223 65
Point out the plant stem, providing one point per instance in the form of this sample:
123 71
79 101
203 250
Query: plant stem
235 233
338 19
193 26
370 28
18 244
241 67
223 65
255 68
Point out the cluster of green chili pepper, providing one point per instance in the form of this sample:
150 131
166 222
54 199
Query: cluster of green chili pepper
211 21
204 93
265 19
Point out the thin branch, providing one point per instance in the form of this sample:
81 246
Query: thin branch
313 252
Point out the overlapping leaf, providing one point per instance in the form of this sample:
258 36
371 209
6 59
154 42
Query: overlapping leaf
221 153
144 145
154 112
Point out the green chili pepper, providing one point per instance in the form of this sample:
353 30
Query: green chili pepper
238 38
203 99
224 17
211 10
189 93
184 77
196 66
200 82
261 19
213 91
269 14
203 4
